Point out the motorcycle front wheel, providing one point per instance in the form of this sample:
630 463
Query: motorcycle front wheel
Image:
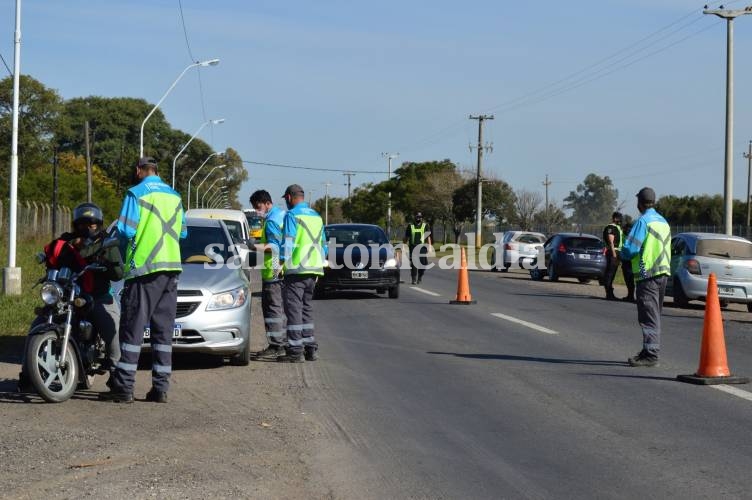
53 380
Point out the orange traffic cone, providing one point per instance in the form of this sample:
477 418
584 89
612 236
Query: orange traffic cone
713 362
463 283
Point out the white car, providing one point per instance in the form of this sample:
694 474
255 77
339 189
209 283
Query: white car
236 222
517 248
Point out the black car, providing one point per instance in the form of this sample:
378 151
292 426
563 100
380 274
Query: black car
360 258
572 255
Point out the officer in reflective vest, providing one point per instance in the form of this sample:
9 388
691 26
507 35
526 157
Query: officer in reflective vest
648 250
613 237
150 226
272 280
418 239
303 256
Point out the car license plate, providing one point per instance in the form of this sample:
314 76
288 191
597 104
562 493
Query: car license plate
585 256
177 331
725 290
359 275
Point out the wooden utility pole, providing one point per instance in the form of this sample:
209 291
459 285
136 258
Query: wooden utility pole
326 203
547 183
479 205
88 161
348 175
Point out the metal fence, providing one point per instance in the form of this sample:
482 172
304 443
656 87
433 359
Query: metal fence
35 219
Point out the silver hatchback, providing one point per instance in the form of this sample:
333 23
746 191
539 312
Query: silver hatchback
695 255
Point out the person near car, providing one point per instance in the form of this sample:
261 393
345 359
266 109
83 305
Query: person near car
150 226
418 240
272 281
304 254
626 271
613 237
647 249
75 250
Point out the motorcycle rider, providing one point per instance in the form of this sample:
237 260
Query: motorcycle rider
76 249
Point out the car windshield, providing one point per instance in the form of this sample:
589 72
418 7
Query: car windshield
193 249
362 235
731 249
235 231
583 244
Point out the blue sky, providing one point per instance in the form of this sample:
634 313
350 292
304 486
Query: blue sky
333 84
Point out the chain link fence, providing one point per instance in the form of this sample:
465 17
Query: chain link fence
35 219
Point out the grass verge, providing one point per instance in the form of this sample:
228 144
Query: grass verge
17 311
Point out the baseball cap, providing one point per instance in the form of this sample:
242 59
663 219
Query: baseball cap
145 161
616 215
293 189
647 195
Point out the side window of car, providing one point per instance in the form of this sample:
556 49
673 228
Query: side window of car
678 246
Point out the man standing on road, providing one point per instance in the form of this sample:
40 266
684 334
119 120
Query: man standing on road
613 237
151 224
418 239
272 281
304 256
648 249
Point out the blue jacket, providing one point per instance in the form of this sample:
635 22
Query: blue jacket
633 243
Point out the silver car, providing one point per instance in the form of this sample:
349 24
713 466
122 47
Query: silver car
517 248
214 299
695 255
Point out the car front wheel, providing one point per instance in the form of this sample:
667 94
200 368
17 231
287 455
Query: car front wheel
394 292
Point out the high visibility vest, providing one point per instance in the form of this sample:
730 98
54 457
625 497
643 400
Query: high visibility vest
654 258
307 255
618 243
417 234
156 245
272 265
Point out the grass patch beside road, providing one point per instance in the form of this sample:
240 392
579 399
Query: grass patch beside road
17 311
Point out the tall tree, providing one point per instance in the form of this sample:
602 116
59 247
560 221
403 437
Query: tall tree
527 204
593 201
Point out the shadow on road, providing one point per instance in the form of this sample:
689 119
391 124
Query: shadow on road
508 357
559 295
11 347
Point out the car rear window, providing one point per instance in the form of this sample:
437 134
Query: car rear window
730 249
530 238
581 243
366 236
193 248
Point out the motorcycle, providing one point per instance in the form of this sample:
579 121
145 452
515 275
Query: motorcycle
64 353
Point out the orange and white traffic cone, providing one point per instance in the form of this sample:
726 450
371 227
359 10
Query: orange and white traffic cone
463 283
713 367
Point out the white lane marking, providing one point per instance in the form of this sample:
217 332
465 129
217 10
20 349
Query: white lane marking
424 291
525 323
733 391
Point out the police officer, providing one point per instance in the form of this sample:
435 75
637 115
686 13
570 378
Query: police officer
304 255
648 250
150 225
272 280
418 239
612 236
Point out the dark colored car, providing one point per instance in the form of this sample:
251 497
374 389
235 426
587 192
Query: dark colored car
572 255
363 259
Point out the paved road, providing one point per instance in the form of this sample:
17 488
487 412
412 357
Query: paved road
418 398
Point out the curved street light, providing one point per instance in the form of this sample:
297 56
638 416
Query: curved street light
206 177
210 62
215 200
210 188
174 160
221 191
194 175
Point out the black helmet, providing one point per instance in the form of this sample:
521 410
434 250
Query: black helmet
87 212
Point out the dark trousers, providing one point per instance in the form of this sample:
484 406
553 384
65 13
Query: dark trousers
650 293
419 254
626 271
274 312
147 300
612 265
298 300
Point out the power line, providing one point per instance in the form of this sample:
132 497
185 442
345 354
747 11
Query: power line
6 65
200 82
185 31
314 168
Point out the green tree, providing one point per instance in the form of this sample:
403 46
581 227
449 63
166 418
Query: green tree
332 210
593 201
553 221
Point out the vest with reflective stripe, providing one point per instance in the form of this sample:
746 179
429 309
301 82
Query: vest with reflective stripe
417 234
307 255
156 245
272 266
654 258
617 242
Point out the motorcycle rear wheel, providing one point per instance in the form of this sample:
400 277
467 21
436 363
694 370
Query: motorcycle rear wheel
54 383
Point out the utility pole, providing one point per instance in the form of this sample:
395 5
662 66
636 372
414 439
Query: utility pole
389 156
326 203
547 183
348 175
728 173
88 162
479 205
748 156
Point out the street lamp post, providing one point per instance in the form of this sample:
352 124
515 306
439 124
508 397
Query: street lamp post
210 62
389 156
728 195
174 160
210 188
206 177
748 156
215 200
194 175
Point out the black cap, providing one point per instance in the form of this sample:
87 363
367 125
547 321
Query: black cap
294 189
616 215
418 215
646 195
147 161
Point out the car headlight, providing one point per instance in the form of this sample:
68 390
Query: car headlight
390 263
51 293
228 300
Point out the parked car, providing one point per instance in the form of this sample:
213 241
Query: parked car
214 302
695 255
349 268
572 255
517 248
